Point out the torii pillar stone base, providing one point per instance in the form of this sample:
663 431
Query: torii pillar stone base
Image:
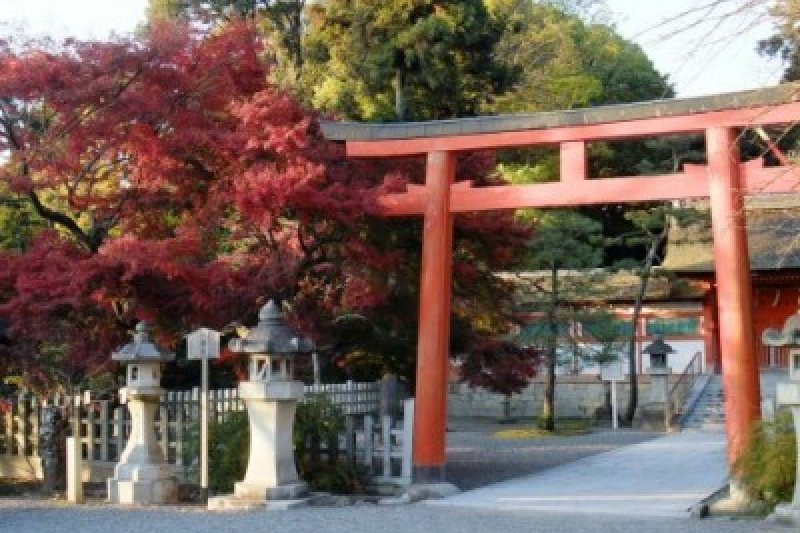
142 476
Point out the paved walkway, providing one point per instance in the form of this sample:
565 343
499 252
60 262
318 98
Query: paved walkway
661 477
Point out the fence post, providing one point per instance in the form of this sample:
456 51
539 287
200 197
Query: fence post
90 426
388 395
408 438
163 426
368 443
74 470
119 433
386 430
350 438
104 423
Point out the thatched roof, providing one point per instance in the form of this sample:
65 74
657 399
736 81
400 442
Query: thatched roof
773 233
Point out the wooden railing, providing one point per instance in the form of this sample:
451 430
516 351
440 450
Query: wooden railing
680 390
381 443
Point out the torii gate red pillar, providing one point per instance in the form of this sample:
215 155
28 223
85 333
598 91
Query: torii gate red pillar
734 293
430 420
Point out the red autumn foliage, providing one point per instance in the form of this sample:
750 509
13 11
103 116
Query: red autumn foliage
180 187
499 366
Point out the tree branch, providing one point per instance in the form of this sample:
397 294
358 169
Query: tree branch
92 242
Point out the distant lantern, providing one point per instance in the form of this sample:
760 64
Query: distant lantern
658 351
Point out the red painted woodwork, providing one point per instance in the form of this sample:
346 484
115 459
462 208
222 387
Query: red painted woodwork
574 163
691 183
430 419
740 371
659 126
724 180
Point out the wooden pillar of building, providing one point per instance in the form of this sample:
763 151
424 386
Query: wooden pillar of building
430 421
734 291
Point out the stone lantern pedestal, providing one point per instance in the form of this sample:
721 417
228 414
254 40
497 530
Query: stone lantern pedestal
271 472
270 395
142 475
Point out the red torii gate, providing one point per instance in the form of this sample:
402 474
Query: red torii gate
724 180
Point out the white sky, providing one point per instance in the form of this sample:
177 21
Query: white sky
705 60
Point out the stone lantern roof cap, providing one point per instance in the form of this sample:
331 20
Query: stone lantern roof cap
142 349
272 335
789 335
658 347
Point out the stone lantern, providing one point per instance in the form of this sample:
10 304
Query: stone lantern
788 395
657 412
658 351
142 475
271 397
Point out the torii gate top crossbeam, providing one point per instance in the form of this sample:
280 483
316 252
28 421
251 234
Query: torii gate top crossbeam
572 130
773 105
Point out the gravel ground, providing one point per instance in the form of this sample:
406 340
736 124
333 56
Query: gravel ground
476 457
22 517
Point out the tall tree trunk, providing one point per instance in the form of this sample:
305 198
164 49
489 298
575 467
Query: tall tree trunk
400 108
548 420
644 279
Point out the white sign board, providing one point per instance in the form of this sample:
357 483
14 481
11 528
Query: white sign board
203 343
613 371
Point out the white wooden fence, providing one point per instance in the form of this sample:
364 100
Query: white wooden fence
380 443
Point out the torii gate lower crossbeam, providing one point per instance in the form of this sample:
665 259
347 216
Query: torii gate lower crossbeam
724 180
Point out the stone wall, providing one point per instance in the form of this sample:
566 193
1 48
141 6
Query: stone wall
576 397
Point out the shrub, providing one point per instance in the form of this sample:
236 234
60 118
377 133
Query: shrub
228 451
319 422
767 466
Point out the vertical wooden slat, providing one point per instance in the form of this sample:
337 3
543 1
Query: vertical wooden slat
35 412
91 433
350 438
369 449
104 425
163 426
408 438
119 433
386 430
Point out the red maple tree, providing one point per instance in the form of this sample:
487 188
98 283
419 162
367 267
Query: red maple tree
177 185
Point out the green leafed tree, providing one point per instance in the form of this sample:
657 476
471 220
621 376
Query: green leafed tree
651 229
396 60
564 241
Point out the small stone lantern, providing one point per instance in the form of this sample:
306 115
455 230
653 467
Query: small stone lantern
658 351
271 397
788 395
659 402
142 475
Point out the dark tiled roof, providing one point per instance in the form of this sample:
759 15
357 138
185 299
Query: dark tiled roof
773 236
354 131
